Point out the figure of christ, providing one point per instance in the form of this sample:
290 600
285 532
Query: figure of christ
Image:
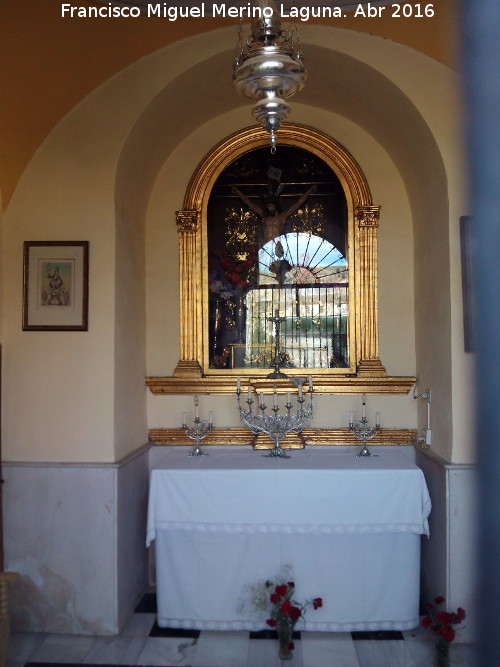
273 220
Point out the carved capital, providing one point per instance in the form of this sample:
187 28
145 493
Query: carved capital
367 216
187 220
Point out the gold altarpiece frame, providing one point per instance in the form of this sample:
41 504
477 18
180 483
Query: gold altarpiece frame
366 373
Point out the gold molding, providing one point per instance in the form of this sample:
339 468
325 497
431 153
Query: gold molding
366 372
323 384
311 437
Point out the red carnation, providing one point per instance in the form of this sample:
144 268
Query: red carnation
426 621
317 602
274 598
286 606
281 590
460 614
447 633
291 584
271 622
439 600
444 617
294 613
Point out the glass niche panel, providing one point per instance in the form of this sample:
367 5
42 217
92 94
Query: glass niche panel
278 246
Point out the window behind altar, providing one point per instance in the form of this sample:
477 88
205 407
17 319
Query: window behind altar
277 235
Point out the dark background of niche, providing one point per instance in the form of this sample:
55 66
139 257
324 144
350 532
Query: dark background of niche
300 169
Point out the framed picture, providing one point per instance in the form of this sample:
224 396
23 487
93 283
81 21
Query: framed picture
55 286
465 250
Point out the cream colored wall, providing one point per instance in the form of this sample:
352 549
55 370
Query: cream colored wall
96 178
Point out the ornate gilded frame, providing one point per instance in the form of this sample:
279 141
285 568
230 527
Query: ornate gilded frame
367 373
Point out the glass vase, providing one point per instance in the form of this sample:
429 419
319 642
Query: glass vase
442 653
285 634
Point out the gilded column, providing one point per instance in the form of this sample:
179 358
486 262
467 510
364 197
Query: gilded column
367 218
188 222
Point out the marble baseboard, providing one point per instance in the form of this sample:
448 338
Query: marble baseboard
75 534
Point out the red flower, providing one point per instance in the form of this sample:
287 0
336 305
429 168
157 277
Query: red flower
294 613
274 598
426 621
291 584
444 617
271 622
460 614
317 602
286 607
439 600
448 633
282 590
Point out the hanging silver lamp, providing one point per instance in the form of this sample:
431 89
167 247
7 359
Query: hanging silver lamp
268 68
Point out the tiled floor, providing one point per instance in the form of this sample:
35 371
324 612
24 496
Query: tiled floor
142 642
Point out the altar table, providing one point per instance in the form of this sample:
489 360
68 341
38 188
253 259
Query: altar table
349 527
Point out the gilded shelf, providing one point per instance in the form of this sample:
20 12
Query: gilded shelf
309 437
323 384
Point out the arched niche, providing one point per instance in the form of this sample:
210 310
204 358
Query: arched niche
366 372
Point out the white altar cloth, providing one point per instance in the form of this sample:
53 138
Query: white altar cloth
350 528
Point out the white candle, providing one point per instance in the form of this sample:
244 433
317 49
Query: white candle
300 391
288 398
184 419
238 384
310 383
363 407
210 417
196 408
275 399
351 418
377 419
249 393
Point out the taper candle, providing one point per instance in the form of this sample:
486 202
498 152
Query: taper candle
363 407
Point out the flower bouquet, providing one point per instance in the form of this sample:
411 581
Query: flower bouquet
442 625
284 612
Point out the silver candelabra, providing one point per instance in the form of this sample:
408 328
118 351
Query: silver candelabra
200 429
361 430
277 425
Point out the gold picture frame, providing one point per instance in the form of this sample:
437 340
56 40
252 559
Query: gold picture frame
55 285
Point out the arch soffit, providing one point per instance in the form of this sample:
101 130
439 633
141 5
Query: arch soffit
355 90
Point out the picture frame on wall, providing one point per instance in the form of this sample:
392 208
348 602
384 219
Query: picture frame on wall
55 285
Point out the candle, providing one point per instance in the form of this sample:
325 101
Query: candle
196 408
238 384
249 393
210 418
300 391
288 398
363 407
351 418
183 419
377 419
275 399
310 383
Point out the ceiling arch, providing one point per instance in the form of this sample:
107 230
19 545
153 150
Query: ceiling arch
337 82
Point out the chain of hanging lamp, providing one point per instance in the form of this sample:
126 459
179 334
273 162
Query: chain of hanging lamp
268 67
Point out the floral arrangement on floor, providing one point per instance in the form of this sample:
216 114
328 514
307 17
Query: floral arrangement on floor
282 610
442 623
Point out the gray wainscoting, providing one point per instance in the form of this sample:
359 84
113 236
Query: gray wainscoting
76 535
